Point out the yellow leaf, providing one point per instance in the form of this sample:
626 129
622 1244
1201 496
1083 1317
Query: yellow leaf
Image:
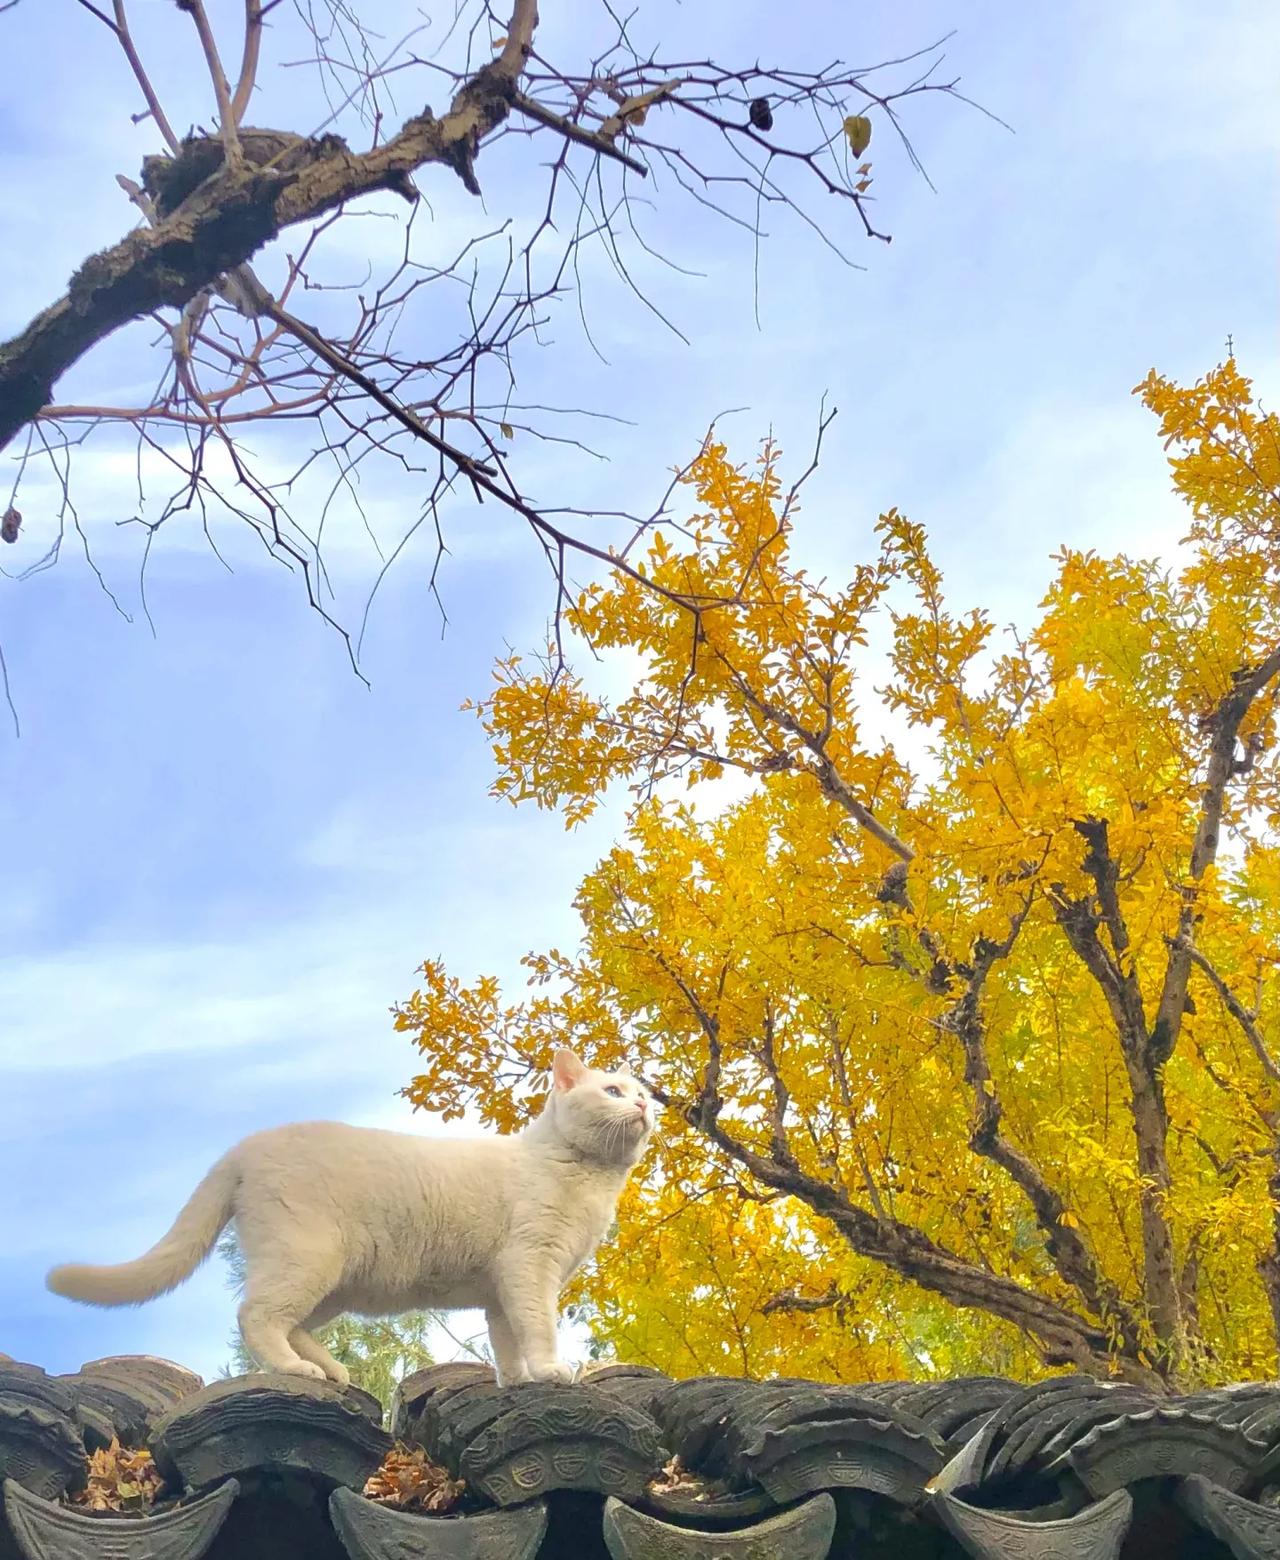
858 129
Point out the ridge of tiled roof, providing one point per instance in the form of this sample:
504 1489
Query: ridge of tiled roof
632 1465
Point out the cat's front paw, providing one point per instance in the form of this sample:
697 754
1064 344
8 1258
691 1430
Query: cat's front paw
512 1377
306 1368
552 1371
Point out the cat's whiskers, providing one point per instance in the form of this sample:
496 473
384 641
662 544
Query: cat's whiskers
605 1136
610 1136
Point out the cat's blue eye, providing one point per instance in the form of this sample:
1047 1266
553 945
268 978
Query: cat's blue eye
612 1088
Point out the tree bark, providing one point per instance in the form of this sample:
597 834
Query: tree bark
1150 1120
1248 684
1269 1265
231 215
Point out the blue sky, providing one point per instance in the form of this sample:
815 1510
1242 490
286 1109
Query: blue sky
224 856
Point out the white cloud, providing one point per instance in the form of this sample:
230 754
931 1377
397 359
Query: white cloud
1205 93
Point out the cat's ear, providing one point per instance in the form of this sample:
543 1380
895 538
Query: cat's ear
566 1069
622 1070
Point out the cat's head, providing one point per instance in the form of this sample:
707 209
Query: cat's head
606 1116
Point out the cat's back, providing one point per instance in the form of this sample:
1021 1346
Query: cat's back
295 1136
303 1150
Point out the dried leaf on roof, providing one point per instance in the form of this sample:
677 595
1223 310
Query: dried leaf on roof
120 1479
676 1479
409 1480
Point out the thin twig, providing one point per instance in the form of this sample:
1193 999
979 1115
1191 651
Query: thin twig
227 116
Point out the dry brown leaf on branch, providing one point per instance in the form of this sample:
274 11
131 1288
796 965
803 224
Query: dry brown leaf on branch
120 1479
632 110
409 1480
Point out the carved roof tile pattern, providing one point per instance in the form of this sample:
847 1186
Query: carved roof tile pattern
269 1467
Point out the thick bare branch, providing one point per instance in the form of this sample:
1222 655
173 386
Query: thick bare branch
247 79
230 216
1225 727
1063 1336
1066 1245
534 110
1150 1117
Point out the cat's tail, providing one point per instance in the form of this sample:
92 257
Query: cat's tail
174 1257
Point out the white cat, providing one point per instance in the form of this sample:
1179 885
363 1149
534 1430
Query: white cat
334 1218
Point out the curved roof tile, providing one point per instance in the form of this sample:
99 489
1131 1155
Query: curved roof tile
631 1463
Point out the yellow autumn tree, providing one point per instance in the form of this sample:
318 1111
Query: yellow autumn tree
969 1059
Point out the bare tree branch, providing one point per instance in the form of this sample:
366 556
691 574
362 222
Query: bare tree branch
247 79
218 76
229 217
125 38
214 203
575 133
